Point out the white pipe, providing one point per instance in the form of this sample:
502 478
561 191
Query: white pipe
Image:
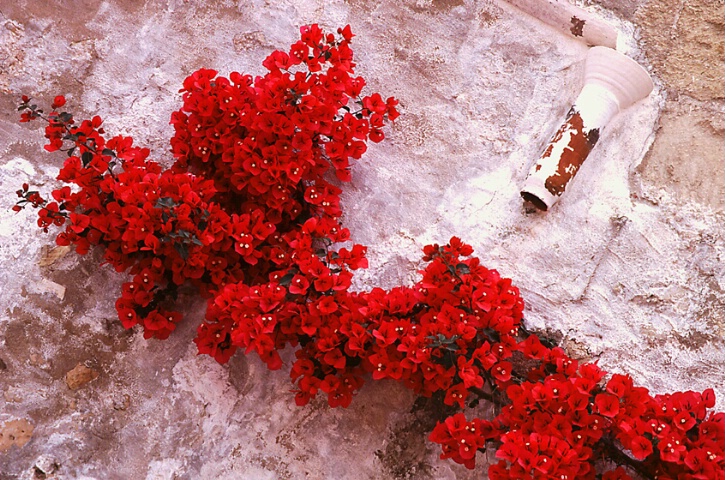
571 20
612 82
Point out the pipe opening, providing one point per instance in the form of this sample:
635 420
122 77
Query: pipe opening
534 200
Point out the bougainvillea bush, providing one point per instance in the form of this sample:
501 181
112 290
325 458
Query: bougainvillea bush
249 214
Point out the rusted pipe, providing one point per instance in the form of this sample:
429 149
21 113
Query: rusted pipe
612 82
570 20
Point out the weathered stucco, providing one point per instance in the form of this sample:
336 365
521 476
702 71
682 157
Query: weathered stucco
628 268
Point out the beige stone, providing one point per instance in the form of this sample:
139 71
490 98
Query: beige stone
686 158
15 432
79 376
685 43
52 255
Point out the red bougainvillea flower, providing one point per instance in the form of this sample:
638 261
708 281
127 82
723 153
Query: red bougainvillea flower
58 102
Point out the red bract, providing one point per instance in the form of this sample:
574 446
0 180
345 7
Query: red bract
58 102
250 216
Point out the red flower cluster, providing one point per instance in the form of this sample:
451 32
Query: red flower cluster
159 225
251 161
451 332
249 214
562 419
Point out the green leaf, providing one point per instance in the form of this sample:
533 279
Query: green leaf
183 251
166 202
463 269
286 280
86 158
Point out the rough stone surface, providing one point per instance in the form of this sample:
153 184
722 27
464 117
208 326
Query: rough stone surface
684 42
15 433
628 268
686 45
79 376
687 154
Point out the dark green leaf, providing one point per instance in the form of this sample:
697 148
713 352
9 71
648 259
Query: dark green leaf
463 269
284 281
183 251
166 202
86 158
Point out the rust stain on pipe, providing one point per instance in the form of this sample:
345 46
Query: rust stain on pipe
581 142
612 82
577 26
570 20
